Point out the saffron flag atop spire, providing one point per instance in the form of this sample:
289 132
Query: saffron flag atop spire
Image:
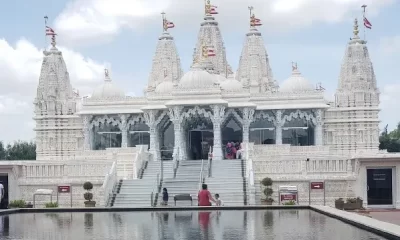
367 24
255 22
50 31
210 9
211 51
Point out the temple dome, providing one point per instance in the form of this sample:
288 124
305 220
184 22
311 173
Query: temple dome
165 87
231 85
296 83
107 90
197 78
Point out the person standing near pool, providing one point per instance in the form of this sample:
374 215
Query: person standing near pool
204 196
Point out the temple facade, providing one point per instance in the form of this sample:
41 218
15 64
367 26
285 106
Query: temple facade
189 116
289 130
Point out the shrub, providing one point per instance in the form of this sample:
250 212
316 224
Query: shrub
88 186
51 205
88 196
17 204
266 181
290 203
268 192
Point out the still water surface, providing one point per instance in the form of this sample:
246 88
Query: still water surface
213 225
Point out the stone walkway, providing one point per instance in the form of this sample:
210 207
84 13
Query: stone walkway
386 215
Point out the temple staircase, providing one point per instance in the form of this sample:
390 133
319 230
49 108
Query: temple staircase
227 179
137 192
186 181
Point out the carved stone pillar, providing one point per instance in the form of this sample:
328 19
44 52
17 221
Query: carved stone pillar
150 118
248 117
278 127
318 130
86 133
124 130
217 119
175 114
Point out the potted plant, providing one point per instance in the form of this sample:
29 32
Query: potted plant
17 204
267 183
52 205
290 203
353 204
339 203
88 186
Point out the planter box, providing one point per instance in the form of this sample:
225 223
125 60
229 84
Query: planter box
339 205
90 204
353 206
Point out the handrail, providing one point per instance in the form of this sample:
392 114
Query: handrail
109 183
153 194
201 174
209 162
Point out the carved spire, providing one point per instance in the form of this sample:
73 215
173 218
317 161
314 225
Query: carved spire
254 69
357 77
166 62
210 35
54 92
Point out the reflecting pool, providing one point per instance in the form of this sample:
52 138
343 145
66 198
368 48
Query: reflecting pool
192 225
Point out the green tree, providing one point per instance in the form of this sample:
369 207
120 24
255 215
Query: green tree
21 150
390 140
2 151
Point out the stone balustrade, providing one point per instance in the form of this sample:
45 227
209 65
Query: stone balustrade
59 170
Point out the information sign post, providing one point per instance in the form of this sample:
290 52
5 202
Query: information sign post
316 185
65 188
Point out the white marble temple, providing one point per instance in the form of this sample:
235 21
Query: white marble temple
291 132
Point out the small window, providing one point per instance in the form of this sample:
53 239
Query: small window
354 69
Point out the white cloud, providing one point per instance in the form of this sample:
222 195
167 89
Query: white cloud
390 45
20 69
92 21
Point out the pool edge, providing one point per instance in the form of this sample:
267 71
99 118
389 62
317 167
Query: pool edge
380 228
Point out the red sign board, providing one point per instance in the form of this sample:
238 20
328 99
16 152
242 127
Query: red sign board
288 197
317 185
64 189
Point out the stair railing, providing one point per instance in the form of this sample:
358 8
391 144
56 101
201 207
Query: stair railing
201 174
210 155
155 191
250 176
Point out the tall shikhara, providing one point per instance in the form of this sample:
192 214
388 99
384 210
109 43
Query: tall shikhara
210 36
254 70
355 114
58 130
166 62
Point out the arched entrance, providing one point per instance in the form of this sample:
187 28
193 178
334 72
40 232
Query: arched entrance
198 132
298 128
106 133
262 130
232 131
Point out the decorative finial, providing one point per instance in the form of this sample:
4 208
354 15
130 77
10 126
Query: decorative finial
355 29
294 66
106 73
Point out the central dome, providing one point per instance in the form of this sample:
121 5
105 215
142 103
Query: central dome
296 83
197 78
107 90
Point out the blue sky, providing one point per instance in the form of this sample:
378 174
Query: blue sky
308 32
